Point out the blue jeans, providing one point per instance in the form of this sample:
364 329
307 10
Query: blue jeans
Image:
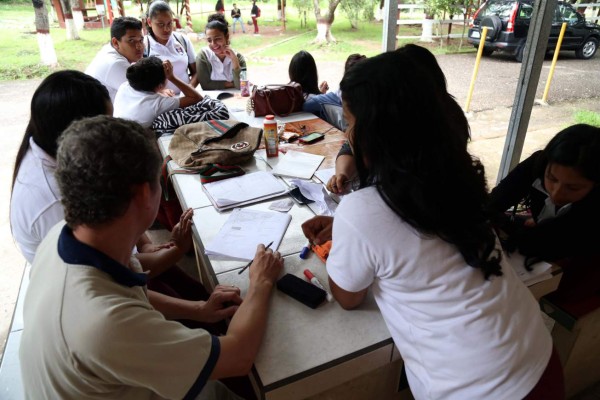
239 19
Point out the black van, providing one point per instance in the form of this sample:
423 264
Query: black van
508 22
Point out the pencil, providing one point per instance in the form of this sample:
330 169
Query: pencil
251 261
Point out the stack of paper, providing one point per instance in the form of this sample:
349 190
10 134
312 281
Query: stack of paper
244 230
297 164
245 189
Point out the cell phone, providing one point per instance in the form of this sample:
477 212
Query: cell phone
311 138
299 197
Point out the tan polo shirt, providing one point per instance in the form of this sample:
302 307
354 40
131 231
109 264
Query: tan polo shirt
89 331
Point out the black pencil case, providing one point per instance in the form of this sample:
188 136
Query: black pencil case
306 293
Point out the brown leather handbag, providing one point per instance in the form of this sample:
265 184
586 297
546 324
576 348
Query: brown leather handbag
279 100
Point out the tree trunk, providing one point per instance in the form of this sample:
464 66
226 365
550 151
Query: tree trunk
69 23
77 14
42 27
324 34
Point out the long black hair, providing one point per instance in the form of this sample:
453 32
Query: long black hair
406 144
61 98
577 146
303 70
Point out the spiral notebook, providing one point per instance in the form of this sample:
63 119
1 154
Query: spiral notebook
245 189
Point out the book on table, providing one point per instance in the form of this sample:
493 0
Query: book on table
297 164
245 189
244 230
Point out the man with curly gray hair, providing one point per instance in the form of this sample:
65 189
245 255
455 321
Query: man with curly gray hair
90 331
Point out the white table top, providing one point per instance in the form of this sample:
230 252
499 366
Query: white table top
300 340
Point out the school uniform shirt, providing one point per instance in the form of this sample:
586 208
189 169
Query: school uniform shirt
460 336
179 55
91 333
35 203
110 68
570 232
212 73
142 107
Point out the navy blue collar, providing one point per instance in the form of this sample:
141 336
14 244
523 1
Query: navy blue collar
72 251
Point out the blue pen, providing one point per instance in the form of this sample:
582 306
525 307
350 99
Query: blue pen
305 250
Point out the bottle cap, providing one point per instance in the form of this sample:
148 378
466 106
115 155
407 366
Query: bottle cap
269 116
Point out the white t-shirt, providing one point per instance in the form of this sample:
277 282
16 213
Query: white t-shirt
109 67
221 70
142 107
90 332
460 336
176 53
35 204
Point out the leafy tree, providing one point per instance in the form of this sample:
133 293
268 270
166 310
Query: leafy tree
357 10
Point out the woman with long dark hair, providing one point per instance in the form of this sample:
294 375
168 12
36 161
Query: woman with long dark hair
60 99
417 234
166 44
303 70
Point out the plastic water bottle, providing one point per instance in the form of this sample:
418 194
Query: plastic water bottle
270 136
245 91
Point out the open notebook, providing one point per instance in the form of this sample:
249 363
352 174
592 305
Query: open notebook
245 189
244 230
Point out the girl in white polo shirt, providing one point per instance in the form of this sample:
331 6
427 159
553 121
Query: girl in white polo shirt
162 42
417 236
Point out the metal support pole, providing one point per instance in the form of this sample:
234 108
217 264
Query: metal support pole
476 68
535 48
390 23
563 28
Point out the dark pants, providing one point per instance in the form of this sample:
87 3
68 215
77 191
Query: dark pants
551 385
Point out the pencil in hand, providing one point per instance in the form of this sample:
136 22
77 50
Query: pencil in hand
247 265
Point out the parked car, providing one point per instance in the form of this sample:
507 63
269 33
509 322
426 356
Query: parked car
508 22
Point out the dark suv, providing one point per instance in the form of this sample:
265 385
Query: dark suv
508 22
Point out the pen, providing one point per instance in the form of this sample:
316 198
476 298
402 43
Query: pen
305 250
251 261
313 279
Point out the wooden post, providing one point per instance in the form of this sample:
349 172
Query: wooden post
188 16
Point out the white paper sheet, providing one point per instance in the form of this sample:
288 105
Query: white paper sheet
244 230
325 175
317 193
540 271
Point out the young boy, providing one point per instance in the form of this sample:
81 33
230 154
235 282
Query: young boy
140 98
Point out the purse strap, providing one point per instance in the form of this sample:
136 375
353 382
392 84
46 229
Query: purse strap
292 107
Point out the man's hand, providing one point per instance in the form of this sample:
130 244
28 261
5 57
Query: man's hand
338 184
318 229
181 235
222 303
267 265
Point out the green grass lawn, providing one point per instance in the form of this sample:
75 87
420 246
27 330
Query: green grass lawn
20 53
